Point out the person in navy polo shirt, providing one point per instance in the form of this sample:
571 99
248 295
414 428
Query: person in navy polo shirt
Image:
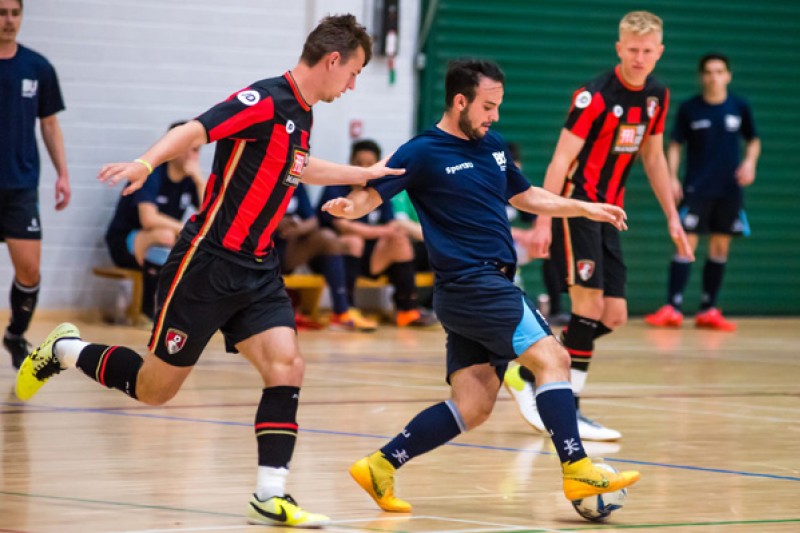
712 126
29 90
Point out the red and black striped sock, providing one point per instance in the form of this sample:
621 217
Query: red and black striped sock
276 426
114 367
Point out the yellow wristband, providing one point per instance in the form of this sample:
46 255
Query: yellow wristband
147 165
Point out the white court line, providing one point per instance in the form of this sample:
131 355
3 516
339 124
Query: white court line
726 414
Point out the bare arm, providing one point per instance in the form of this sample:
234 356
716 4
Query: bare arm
674 164
151 218
322 172
357 204
54 141
567 150
172 144
542 202
746 173
655 166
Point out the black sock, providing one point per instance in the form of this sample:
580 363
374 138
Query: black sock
679 271
401 276
579 342
114 367
23 302
150 273
352 269
552 283
601 330
333 268
713 272
276 426
527 375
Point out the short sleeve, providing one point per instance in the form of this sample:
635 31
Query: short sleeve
517 183
50 99
585 108
680 130
748 123
661 117
148 193
245 114
388 186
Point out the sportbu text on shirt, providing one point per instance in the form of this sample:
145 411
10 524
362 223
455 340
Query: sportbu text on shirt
460 189
262 135
712 134
615 120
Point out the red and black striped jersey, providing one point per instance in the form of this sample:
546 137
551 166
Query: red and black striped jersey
262 135
614 119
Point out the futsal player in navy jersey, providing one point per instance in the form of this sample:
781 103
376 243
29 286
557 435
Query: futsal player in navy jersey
459 176
712 126
29 90
223 274
613 120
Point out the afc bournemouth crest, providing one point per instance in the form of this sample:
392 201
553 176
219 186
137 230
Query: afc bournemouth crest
175 340
585 269
652 106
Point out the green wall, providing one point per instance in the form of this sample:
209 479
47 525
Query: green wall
547 50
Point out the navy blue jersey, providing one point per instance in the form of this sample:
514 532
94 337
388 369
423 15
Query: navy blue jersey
171 199
712 134
460 189
382 215
300 204
28 90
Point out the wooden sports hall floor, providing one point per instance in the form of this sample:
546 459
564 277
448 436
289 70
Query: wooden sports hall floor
711 419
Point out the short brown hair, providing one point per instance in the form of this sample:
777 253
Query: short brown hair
336 33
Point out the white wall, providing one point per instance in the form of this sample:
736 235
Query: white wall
130 67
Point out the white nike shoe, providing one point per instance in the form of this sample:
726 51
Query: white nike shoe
588 429
525 396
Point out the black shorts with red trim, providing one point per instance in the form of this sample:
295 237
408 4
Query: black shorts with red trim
202 292
589 254
19 214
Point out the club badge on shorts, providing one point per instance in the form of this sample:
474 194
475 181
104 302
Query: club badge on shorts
175 340
585 269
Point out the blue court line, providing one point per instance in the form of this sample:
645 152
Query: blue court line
34 408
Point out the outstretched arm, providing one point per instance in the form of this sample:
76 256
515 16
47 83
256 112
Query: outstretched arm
357 204
322 172
542 202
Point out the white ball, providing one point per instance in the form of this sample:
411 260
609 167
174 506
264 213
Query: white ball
598 508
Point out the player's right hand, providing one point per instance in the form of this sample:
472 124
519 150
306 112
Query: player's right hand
338 207
135 173
678 236
539 241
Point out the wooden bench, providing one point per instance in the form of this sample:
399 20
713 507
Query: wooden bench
133 312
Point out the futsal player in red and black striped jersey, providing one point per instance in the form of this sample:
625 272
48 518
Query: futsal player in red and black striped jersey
613 119
223 274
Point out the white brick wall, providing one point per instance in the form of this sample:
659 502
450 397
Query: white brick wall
130 67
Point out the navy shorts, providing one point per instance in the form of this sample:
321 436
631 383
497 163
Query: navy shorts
714 215
487 319
200 292
589 254
19 214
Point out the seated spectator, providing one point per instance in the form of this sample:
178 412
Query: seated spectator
387 246
406 216
299 240
147 222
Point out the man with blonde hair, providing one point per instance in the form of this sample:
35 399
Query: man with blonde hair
612 120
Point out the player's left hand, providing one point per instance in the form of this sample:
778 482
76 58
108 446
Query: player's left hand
338 207
608 213
746 173
136 173
63 192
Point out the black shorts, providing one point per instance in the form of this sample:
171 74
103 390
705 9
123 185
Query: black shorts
714 215
589 254
19 214
487 319
200 292
118 250
366 258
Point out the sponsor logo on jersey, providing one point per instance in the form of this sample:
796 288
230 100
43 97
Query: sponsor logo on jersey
30 88
629 137
298 164
732 122
652 106
249 97
500 158
585 269
583 99
289 126
175 341
460 166
701 124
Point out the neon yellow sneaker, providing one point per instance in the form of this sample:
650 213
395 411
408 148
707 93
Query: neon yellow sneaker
583 479
41 364
376 476
282 511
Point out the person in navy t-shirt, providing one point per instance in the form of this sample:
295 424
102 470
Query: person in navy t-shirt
28 90
459 177
712 126
146 223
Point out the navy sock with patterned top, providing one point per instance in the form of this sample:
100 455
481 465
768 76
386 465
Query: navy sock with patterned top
557 409
430 429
